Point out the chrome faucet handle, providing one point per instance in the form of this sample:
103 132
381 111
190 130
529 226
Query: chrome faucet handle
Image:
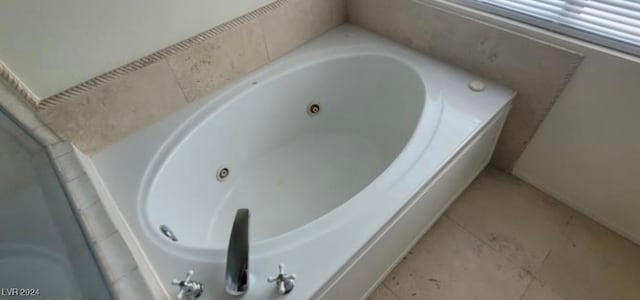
285 282
190 288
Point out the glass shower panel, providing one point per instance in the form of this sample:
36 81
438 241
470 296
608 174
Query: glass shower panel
43 252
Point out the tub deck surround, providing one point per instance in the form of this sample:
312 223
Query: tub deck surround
110 107
116 261
539 71
393 126
112 255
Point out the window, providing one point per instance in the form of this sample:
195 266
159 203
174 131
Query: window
611 23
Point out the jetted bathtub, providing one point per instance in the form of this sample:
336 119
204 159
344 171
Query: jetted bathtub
345 151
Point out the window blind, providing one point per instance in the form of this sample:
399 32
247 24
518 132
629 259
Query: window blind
613 23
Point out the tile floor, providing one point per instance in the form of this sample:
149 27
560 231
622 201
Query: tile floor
503 239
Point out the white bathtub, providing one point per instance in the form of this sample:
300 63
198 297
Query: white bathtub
338 196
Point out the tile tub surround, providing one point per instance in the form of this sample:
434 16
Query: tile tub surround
504 239
537 70
113 255
111 110
114 110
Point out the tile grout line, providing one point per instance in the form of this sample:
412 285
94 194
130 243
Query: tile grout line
264 36
390 290
524 293
566 225
533 276
96 242
520 181
88 206
546 257
487 244
175 77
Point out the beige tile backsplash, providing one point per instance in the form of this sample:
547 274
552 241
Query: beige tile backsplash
110 112
115 110
218 61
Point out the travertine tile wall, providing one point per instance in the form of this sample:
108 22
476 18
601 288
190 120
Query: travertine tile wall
116 261
537 70
116 109
110 112
218 61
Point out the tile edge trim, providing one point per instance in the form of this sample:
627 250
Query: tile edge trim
557 93
17 84
145 61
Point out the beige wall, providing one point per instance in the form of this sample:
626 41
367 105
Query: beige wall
53 45
587 151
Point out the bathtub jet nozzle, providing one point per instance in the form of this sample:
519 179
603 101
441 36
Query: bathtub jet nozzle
237 271
166 231
313 109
